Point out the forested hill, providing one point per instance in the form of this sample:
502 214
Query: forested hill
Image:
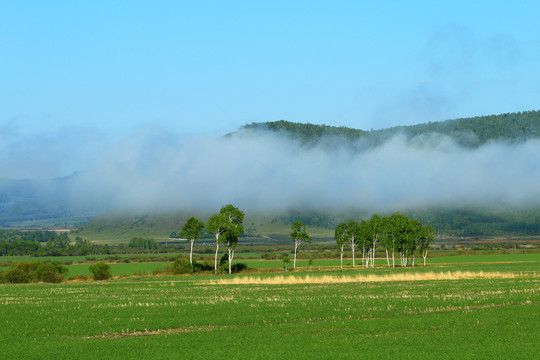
470 132
308 132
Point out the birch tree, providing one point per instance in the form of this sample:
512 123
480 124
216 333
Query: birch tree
353 234
400 235
374 228
217 224
415 228
388 238
234 229
191 231
299 235
364 240
426 238
340 235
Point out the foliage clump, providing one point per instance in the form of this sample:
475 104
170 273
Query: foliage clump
36 271
181 265
142 243
100 271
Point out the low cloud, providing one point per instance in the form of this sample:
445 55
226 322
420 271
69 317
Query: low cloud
157 170
154 169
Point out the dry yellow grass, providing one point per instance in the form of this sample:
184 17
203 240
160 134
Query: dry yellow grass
330 279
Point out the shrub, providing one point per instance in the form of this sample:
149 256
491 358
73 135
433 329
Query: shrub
205 266
50 272
21 272
100 271
238 267
16 275
181 266
25 272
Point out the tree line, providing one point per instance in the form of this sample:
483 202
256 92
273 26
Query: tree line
396 234
59 245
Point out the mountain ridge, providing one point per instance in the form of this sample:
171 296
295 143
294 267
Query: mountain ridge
469 132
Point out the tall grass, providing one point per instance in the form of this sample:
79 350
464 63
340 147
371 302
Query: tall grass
332 279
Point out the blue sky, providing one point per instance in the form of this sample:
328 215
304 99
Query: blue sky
100 69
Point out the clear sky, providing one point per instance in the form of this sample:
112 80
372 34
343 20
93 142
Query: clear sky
208 67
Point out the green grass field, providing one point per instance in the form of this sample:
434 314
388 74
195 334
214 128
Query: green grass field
196 318
463 262
119 269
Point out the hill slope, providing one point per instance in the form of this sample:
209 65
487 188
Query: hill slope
469 132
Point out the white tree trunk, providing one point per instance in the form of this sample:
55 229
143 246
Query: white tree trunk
373 253
425 256
353 245
387 258
295 247
217 249
231 256
191 252
393 259
341 256
363 255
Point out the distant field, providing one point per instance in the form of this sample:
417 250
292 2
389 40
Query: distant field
468 262
206 316
120 269
74 258
483 258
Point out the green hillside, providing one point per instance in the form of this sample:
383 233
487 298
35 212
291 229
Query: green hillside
113 227
469 132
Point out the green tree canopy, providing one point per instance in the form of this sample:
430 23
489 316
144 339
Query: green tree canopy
191 231
299 235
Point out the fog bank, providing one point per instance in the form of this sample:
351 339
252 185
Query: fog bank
157 170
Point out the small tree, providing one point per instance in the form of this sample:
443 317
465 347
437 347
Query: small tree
286 262
388 238
374 226
426 238
227 222
100 271
416 233
234 218
364 240
217 224
340 235
353 234
299 235
191 231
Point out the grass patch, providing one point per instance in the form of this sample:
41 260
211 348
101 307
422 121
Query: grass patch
360 278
